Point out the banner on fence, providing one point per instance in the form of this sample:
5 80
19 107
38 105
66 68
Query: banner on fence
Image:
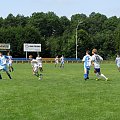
4 46
32 47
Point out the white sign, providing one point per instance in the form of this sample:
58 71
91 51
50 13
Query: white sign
4 46
32 47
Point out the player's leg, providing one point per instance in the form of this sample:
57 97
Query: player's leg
8 74
97 72
88 73
85 73
0 76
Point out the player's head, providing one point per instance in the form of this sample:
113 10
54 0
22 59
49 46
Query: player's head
94 51
0 54
118 55
8 53
87 51
38 55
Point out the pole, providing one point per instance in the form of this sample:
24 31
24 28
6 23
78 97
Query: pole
79 22
26 54
76 43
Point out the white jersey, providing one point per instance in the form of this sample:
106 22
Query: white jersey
39 60
62 59
118 61
87 61
96 59
9 59
56 60
34 64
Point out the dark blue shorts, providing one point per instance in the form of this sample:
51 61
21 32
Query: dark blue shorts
96 70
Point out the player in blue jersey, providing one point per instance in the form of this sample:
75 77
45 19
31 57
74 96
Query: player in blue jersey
96 59
3 65
117 61
10 62
87 63
62 62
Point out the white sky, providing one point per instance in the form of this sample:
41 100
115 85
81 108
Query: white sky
60 7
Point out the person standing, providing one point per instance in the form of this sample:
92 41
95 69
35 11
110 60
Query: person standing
62 62
117 61
56 61
87 63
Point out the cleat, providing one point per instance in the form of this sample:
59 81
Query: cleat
106 79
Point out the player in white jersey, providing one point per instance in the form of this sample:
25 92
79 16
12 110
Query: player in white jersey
62 62
39 60
3 65
96 59
87 63
10 62
34 64
56 61
117 61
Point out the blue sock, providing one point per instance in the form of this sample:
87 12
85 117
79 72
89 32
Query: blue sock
85 76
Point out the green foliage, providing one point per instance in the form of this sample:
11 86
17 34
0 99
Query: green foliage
58 34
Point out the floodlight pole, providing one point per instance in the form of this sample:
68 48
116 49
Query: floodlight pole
79 22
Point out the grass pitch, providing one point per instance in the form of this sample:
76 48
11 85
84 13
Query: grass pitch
61 95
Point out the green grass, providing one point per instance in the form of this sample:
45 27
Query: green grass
61 95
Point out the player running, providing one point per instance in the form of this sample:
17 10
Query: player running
39 60
117 61
3 65
34 64
87 63
9 63
56 61
62 62
96 59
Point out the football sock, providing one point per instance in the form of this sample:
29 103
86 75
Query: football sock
8 75
85 76
0 76
98 76
103 76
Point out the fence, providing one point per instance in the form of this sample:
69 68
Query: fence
46 60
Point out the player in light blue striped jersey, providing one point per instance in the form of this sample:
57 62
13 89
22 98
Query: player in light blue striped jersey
87 63
3 65
117 61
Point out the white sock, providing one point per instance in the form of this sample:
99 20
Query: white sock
98 76
103 76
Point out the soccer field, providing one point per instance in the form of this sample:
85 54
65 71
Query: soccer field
63 94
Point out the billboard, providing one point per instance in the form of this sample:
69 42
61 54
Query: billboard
32 47
4 46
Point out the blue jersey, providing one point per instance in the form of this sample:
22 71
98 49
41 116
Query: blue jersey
87 61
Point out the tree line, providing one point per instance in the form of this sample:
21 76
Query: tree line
57 35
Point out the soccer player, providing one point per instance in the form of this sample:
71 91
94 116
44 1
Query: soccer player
87 63
62 62
96 59
56 61
39 60
34 64
10 62
3 65
117 61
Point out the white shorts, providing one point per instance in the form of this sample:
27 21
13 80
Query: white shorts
35 69
118 65
40 65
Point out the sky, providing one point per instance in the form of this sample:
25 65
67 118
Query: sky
60 7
